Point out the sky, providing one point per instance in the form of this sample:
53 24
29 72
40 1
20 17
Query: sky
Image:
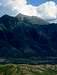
45 9
38 2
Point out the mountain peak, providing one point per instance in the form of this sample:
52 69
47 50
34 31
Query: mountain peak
31 19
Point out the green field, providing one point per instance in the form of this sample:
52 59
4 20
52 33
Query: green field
25 69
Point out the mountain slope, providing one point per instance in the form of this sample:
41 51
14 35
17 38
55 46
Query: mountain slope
20 38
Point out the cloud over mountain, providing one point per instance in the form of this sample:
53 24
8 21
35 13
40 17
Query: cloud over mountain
18 7
47 11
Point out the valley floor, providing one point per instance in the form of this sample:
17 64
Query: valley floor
26 69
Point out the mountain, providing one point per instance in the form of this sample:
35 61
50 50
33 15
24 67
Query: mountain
31 19
23 39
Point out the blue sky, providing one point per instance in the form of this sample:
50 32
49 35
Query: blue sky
38 2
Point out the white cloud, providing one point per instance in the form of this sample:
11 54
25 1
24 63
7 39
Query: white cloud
19 7
23 8
47 11
6 8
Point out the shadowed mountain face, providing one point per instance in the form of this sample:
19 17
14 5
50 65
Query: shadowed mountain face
26 37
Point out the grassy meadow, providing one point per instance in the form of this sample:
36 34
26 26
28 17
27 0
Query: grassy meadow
26 69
